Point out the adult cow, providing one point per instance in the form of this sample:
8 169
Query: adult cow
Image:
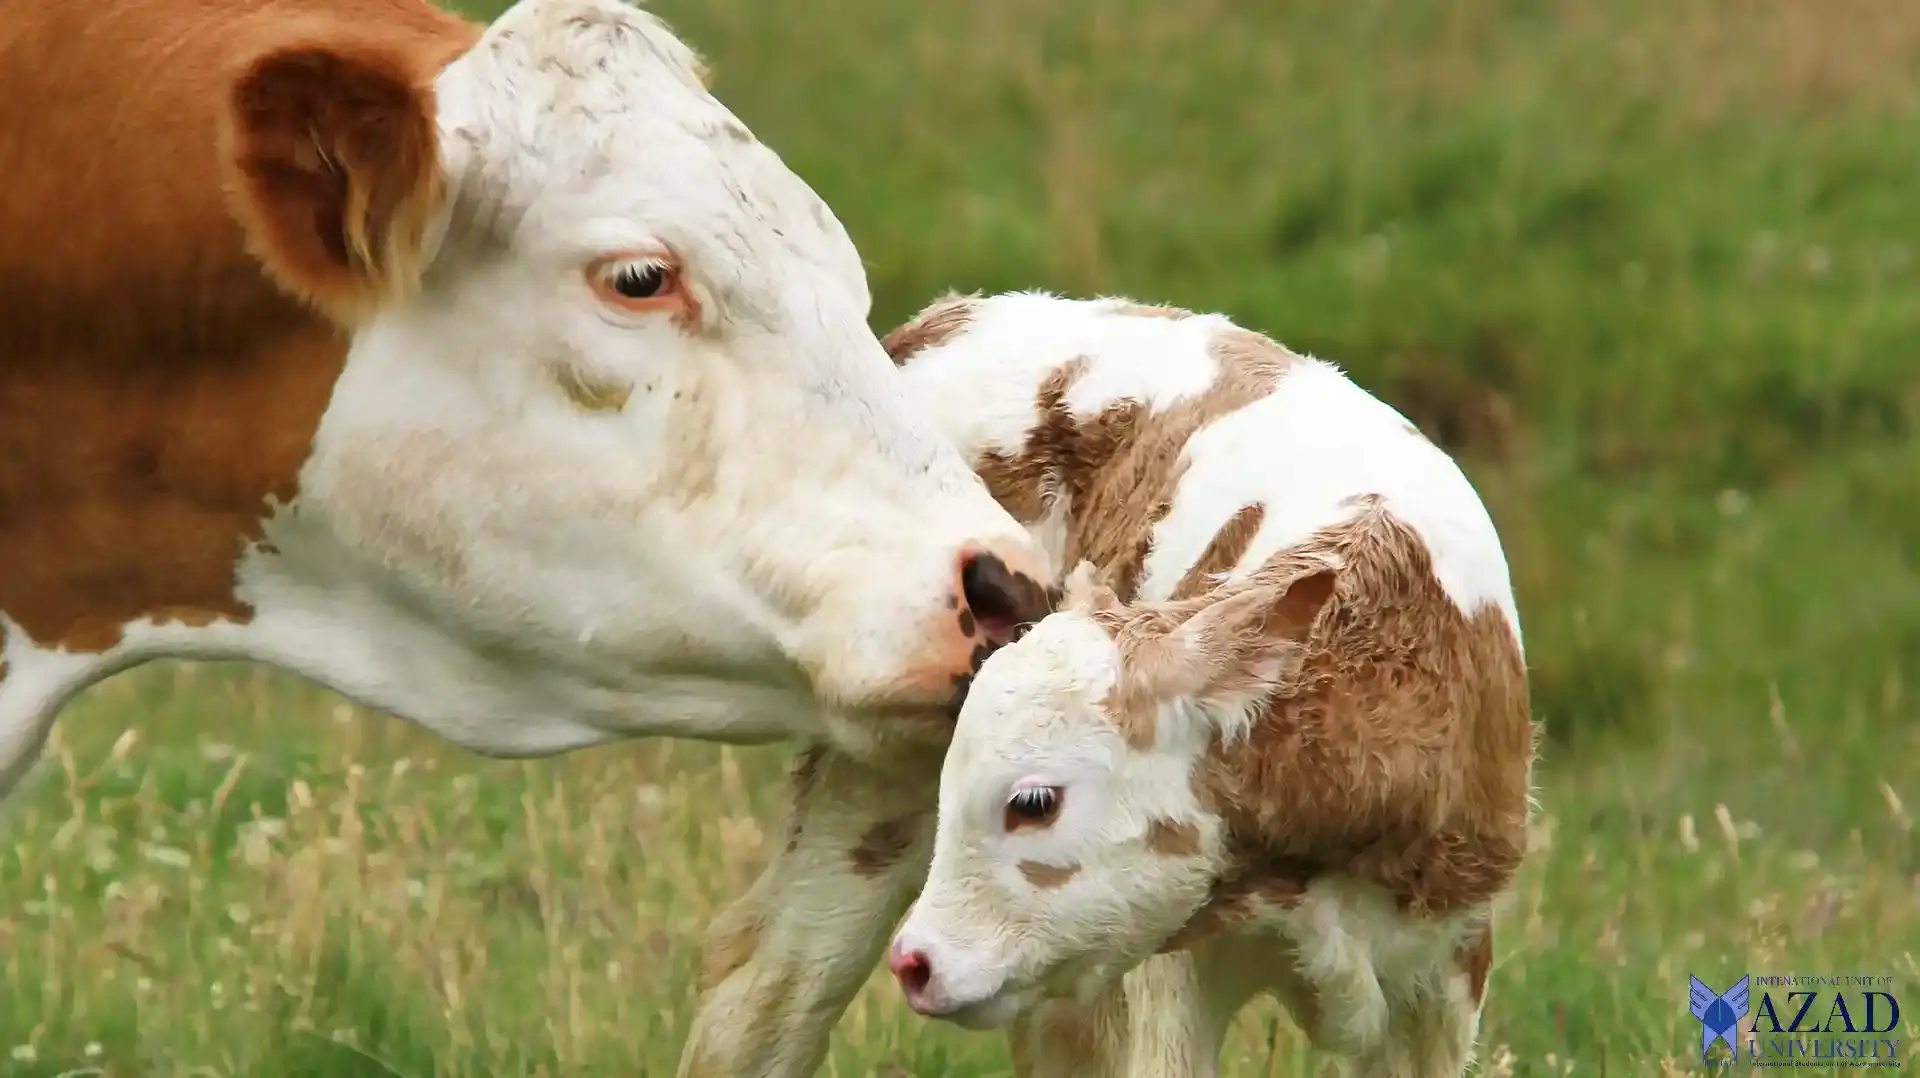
495 377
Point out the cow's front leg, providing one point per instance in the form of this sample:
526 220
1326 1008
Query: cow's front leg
783 962
1163 1020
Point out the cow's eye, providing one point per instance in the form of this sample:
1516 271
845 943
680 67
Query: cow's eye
638 283
1033 806
639 280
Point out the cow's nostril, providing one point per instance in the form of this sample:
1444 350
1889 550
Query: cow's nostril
1000 603
913 970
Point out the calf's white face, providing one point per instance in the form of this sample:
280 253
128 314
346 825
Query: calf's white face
614 440
1071 843
1040 874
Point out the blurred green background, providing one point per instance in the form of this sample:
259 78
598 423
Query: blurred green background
1646 266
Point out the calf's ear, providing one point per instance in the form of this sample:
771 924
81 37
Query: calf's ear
1251 641
1083 592
331 152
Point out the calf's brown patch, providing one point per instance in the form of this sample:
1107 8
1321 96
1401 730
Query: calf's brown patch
1223 552
1170 838
1252 889
1401 751
1119 469
1047 876
931 328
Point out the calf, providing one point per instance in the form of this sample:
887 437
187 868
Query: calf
1279 728
495 377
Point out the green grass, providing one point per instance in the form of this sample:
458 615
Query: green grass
1646 265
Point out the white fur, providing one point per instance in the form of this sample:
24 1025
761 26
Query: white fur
1388 988
37 681
1319 438
766 524
978 388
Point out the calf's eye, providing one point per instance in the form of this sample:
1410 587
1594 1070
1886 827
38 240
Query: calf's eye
1032 807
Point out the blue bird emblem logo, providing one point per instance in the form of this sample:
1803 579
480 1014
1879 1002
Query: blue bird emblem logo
1719 1012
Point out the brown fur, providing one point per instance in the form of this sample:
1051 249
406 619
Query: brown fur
1120 468
1223 552
883 845
1393 741
1243 899
806 771
157 387
1170 838
1399 750
930 328
1026 482
1159 667
1041 874
332 157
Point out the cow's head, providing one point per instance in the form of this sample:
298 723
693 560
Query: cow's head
613 426
1071 843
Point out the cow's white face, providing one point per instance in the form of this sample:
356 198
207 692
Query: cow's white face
1045 878
1071 841
622 433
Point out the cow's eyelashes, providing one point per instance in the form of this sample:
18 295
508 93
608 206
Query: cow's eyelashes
639 280
639 283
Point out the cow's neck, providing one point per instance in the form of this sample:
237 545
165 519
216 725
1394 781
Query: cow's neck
134 477
148 476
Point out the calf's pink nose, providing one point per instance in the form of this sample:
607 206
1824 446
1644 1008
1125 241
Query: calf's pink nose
911 969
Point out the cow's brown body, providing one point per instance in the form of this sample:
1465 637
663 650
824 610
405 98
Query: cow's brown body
157 388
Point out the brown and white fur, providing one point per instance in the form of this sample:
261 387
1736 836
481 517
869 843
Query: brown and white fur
1281 738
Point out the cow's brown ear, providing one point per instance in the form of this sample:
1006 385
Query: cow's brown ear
331 148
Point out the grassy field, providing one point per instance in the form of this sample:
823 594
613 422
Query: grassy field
1647 265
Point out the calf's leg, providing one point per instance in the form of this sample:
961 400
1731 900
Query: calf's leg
781 964
1431 1033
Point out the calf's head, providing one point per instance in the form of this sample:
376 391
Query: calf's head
1071 843
612 416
